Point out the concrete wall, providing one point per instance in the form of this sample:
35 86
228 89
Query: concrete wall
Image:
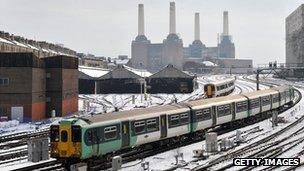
295 37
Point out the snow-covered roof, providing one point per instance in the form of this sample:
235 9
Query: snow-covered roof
93 71
208 63
171 72
140 72
5 41
122 62
20 44
33 47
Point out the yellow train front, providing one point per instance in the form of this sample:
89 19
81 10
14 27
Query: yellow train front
66 140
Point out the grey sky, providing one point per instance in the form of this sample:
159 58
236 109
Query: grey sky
107 28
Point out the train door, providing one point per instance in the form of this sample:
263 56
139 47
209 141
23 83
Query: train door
125 134
271 101
163 126
261 105
95 140
233 110
214 116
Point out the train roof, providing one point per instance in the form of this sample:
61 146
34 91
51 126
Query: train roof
224 81
255 94
281 88
215 101
137 113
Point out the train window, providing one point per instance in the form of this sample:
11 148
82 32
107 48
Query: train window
184 118
241 106
54 133
254 103
110 132
218 88
76 133
199 115
275 98
265 100
64 136
89 136
152 125
223 110
206 114
174 120
139 127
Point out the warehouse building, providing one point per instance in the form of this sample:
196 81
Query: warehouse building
86 84
171 80
30 87
122 79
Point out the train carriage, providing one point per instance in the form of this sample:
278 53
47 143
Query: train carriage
219 88
282 94
216 111
100 135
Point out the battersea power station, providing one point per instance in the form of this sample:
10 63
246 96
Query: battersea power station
154 56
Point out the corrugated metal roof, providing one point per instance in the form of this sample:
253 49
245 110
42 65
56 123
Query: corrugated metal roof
170 72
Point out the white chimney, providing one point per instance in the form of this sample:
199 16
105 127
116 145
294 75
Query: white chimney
141 20
225 24
172 19
197 27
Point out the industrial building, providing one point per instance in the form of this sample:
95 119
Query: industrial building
121 80
61 85
22 86
154 56
294 37
31 87
171 80
86 84
294 24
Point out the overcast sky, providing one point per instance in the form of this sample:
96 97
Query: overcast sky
107 27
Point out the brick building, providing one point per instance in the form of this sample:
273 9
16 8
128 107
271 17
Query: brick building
31 87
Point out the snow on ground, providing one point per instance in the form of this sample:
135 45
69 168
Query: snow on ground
101 103
107 102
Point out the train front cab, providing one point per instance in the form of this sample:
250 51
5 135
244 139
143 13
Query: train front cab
209 90
65 140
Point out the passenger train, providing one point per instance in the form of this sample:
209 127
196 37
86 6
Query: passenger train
78 139
219 88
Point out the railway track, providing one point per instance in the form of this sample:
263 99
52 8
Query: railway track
44 166
25 135
257 146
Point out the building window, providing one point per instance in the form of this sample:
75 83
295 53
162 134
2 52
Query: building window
3 111
4 81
